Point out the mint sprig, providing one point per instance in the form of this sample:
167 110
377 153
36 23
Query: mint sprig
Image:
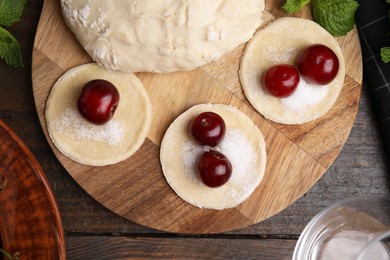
10 12
293 6
336 16
385 51
10 49
385 54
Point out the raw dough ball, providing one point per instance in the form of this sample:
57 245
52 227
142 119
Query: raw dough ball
243 145
163 35
96 145
281 42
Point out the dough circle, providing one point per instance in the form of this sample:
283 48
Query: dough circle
90 144
243 145
281 42
161 36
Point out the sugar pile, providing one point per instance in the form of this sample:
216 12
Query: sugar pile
234 146
240 153
71 124
191 152
305 95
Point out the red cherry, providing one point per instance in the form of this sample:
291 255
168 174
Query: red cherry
281 80
208 128
214 168
98 101
318 64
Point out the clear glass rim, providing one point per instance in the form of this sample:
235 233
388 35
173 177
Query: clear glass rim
301 250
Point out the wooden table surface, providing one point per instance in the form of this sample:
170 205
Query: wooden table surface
93 232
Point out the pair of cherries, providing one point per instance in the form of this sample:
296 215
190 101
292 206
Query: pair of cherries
318 64
213 167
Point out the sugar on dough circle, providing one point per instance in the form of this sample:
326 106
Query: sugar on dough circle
161 36
281 42
95 145
243 144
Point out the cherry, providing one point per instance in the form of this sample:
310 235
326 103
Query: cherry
281 80
208 128
98 101
214 168
318 64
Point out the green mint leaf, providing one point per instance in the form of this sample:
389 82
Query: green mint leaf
11 11
336 16
293 6
385 54
10 49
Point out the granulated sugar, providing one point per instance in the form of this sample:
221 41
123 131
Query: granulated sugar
70 123
240 153
305 95
191 153
234 146
279 55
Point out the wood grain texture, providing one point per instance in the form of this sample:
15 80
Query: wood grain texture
136 189
227 247
360 169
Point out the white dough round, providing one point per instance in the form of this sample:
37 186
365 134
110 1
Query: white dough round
243 145
161 36
281 42
91 144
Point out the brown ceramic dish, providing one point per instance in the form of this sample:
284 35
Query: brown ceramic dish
30 222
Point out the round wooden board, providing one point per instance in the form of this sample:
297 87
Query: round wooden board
136 188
